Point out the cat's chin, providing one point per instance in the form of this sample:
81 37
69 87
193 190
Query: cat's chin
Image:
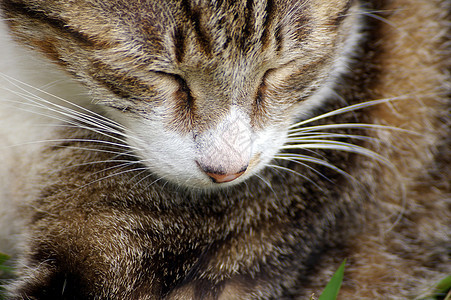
209 185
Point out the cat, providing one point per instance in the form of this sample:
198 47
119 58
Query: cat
194 149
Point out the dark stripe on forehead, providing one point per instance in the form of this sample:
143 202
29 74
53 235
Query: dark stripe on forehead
269 18
278 34
179 44
194 15
249 29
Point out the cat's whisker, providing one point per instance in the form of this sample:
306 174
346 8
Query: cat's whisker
297 138
294 172
142 179
82 114
339 146
154 181
38 102
301 130
126 164
113 174
16 82
65 112
311 168
299 158
377 16
69 122
265 181
113 159
54 83
403 197
119 163
150 174
60 141
354 107
94 163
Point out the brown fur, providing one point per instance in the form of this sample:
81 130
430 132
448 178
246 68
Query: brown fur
131 237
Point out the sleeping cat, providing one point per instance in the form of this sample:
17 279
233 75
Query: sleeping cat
188 149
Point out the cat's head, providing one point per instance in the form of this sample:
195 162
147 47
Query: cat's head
207 89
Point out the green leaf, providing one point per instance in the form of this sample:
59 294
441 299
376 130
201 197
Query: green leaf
333 287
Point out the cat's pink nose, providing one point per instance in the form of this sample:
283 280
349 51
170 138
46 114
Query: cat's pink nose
221 178
219 175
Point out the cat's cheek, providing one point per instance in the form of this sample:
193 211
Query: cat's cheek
169 157
268 143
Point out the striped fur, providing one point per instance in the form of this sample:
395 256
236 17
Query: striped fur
335 115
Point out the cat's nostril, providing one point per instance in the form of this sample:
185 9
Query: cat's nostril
221 178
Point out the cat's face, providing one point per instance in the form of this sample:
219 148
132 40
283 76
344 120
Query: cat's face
207 89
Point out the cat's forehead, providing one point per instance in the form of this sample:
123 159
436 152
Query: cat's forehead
160 35
243 15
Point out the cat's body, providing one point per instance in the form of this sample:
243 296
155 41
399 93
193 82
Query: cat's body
204 96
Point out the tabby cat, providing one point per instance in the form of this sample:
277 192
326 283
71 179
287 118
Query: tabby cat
219 149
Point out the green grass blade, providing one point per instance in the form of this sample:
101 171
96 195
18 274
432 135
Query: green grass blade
444 285
333 287
3 259
441 291
4 270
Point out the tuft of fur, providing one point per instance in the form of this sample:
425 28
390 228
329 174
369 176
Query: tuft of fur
362 173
